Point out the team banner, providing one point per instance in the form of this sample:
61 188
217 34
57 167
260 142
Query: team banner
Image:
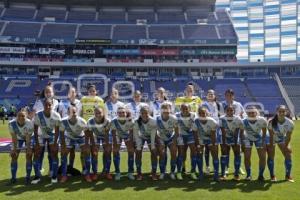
51 51
121 52
160 52
13 50
84 51
93 41
192 52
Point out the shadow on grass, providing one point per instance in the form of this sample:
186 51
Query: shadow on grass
75 184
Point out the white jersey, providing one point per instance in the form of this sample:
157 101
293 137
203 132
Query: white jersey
39 105
73 131
155 108
282 129
253 131
47 125
112 108
135 108
99 130
21 131
145 130
212 109
205 129
231 125
64 105
122 129
185 124
238 108
166 128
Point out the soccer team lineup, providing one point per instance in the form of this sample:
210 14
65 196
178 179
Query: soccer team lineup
184 138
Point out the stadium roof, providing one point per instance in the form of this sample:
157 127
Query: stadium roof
126 3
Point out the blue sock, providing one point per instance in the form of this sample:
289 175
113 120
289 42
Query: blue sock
28 169
200 164
237 164
154 166
166 159
117 162
14 168
206 155
162 166
138 164
130 163
54 168
193 163
223 164
248 171
179 163
173 165
216 168
87 165
36 167
64 165
41 158
271 166
261 171
288 167
95 165
107 164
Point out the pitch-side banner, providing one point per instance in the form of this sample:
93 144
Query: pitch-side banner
13 50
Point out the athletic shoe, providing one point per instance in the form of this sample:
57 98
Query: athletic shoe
236 178
117 176
261 178
242 171
94 177
194 176
36 180
179 176
172 176
207 170
139 177
289 179
53 180
63 179
130 176
27 181
154 177
248 178
273 179
108 176
11 182
88 178
161 176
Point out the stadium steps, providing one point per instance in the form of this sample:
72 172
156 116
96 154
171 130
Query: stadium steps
3 28
248 92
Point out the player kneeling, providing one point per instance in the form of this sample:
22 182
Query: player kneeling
21 130
231 127
74 131
121 128
145 131
99 127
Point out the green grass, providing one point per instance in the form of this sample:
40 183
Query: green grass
147 189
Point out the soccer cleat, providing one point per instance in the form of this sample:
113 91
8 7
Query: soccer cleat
242 171
54 180
161 176
117 176
194 176
289 179
130 176
36 180
108 176
11 182
27 181
261 178
88 178
172 176
273 179
236 178
63 179
207 170
179 176
139 177
94 177
154 177
248 178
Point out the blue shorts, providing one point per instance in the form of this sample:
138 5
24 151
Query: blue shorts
258 143
70 142
279 140
43 141
101 140
167 142
205 142
185 139
21 144
120 139
231 141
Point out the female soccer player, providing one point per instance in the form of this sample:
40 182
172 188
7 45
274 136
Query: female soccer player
99 127
48 121
168 133
113 104
204 129
145 131
21 131
255 130
232 127
122 130
73 130
135 106
185 120
160 98
280 129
